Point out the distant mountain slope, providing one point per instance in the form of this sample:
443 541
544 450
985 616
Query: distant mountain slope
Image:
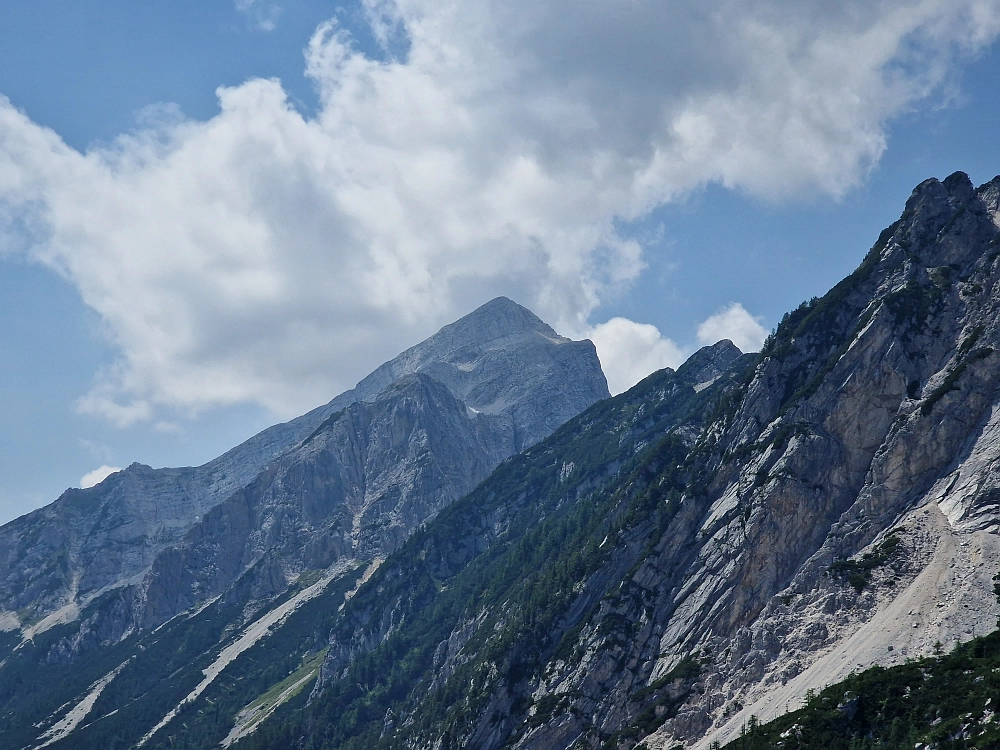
500 360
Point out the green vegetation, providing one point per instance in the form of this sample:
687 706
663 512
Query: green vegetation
290 650
163 666
940 276
326 424
912 305
536 565
261 707
688 669
950 382
815 335
945 702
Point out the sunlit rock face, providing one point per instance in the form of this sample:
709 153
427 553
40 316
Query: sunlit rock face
852 515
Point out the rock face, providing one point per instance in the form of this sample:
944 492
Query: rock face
885 497
851 514
355 488
850 518
411 437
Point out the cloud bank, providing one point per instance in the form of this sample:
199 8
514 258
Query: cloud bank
266 257
262 15
630 351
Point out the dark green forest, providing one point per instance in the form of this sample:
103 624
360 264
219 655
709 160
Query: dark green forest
946 701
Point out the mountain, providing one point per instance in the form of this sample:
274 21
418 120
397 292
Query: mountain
699 554
500 361
338 487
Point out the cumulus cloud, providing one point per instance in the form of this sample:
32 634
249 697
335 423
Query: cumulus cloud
737 325
266 257
95 477
630 351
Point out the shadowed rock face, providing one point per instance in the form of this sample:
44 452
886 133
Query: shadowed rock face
871 415
356 488
503 378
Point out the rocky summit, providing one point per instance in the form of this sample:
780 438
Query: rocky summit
476 548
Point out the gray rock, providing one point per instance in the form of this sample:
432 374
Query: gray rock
504 377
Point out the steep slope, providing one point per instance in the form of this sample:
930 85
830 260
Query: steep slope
355 488
810 511
499 359
372 465
708 546
862 403
888 473
443 646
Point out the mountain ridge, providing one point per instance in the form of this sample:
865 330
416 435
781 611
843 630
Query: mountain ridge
775 550
136 513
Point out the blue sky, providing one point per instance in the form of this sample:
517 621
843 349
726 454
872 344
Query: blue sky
175 278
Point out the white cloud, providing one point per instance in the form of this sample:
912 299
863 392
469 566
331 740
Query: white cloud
630 351
737 325
265 257
95 477
262 15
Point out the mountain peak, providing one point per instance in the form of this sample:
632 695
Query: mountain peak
706 364
496 325
499 317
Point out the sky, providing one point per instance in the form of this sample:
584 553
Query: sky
217 215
